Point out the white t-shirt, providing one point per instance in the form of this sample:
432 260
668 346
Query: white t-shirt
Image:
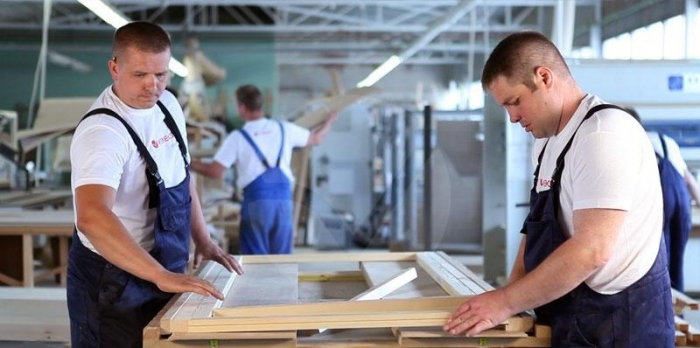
672 150
103 153
266 135
610 165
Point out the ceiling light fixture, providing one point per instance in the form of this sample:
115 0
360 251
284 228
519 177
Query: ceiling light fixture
380 71
114 18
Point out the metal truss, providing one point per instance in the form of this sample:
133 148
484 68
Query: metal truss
314 31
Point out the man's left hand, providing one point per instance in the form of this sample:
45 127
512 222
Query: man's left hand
479 313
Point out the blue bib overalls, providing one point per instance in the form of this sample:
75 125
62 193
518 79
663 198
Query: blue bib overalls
266 213
639 316
677 216
109 307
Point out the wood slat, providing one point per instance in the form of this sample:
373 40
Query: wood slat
337 276
437 332
466 271
390 285
681 325
330 257
450 278
260 335
475 342
684 300
192 305
422 286
345 307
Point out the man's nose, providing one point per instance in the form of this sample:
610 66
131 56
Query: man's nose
513 115
152 82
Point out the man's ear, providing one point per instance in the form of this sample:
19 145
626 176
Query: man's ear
543 76
112 67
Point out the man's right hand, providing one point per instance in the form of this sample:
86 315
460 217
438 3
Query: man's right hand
178 283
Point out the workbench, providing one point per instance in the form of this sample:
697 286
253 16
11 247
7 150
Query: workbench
25 224
364 299
35 199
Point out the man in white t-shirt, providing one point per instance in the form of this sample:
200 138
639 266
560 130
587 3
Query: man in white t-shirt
135 206
678 185
591 262
262 152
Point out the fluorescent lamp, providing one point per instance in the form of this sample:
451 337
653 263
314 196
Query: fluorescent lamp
110 15
177 67
106 12
380 71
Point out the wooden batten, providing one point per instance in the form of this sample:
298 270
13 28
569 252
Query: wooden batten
192 305
330 257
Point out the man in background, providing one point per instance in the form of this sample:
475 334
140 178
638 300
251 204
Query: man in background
262 153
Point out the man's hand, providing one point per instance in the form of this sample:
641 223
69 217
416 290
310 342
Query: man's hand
210 251
178 283
479 313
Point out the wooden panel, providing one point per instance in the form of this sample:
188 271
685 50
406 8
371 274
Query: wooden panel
192 305
330 257
264 285
422 286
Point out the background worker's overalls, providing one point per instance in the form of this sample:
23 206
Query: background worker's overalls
677 215
109 307
639 316
266 213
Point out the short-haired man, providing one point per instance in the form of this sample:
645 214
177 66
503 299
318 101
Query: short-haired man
592 261
135 206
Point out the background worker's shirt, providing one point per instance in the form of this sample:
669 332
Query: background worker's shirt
672 149
266 135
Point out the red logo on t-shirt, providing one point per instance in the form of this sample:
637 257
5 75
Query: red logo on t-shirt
545 182
160 141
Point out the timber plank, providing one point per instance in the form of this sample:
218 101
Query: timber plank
450 278
390 285
475 342
437 332
330 257
422 286
345 307
192 305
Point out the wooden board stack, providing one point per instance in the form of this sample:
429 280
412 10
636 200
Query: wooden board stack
279 302
686 334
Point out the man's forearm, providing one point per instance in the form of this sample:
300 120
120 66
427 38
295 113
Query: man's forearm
566 268
111 239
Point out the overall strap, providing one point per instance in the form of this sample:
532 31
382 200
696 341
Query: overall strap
152 174
250 141
170 122
560 160
539 163
663 144
279 155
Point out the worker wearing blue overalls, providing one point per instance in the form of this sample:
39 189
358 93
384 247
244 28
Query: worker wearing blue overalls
678 185
592 260
262 152
135 206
